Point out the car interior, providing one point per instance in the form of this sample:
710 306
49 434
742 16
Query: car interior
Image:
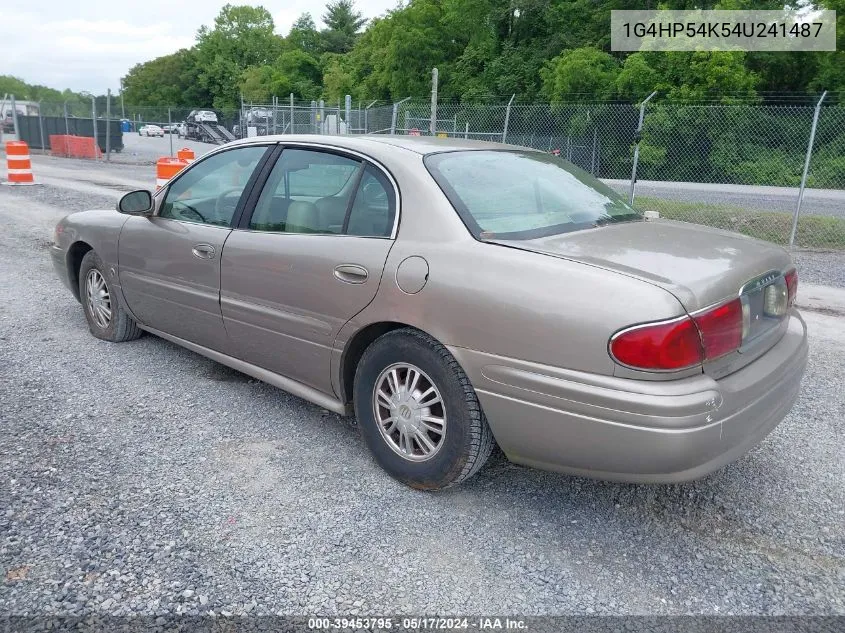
309 193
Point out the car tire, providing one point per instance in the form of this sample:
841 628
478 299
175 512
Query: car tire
95 289
465 442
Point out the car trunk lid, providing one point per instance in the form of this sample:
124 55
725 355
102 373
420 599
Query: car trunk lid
700 266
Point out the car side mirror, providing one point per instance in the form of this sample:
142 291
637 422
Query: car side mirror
136 203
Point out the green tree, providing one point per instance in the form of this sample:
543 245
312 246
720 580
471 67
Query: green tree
304 35
242 37
171 80
342 25
830 75
259 84
582 74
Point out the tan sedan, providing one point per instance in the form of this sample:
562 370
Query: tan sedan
454 294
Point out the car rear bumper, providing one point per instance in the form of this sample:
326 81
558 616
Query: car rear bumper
634 430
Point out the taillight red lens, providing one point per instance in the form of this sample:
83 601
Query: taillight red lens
721 329
681 343
659 346
791 278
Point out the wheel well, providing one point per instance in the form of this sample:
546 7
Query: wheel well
75 254
355 350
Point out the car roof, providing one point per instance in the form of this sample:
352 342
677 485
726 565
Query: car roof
423 145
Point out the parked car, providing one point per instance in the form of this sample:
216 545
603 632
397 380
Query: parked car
451 294
170 129
150 130
202 116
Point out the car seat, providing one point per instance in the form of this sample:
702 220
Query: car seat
304 217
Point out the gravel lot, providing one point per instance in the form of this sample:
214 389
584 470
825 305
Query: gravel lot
143 478
143 149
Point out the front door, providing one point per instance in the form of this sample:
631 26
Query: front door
308 259
169 264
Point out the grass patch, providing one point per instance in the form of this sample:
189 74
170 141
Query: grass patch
814 231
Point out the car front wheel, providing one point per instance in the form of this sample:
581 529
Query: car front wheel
418 412
106 316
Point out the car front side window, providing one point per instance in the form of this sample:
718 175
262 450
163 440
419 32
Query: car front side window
209 192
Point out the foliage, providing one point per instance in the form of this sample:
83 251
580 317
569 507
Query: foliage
581 74
242 37
342 25
171 80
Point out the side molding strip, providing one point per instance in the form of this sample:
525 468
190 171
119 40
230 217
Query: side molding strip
285 384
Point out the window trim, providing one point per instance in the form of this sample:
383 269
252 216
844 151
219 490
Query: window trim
161 195
366 160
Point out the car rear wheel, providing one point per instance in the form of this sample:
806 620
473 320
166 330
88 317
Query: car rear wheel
418 412
107 318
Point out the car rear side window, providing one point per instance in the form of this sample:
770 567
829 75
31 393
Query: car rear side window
374 209
524 195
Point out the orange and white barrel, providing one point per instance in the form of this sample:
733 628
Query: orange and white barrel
186 154
166 168
18 163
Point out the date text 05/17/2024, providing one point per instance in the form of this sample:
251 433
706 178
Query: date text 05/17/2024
417 623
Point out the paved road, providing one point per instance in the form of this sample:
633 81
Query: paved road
142 478
816 201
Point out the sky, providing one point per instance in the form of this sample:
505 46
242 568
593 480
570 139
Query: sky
90 45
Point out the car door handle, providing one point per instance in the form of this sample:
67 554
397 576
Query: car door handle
351 273
203 251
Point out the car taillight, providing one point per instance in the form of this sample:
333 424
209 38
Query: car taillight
681 343
791 278
660 346
721 329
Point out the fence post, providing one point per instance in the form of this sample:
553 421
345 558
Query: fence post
41 128
67 125
434 77
806 168
367 115
291 114
507 120
466 130
241 121
637 147
94 124
322 117
108 127
348 106
314 115
395 114
170 127
17 132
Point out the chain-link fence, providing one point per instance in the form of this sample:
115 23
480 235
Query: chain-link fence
737 167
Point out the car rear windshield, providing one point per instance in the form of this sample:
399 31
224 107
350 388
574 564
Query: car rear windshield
522 195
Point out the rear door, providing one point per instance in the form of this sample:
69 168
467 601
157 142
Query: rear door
170 263
308 258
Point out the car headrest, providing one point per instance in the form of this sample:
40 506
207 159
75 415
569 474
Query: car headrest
303 217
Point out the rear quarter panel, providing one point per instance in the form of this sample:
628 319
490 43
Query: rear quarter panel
500 300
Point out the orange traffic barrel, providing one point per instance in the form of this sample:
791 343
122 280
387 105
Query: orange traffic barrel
186 154
18 164
166 168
